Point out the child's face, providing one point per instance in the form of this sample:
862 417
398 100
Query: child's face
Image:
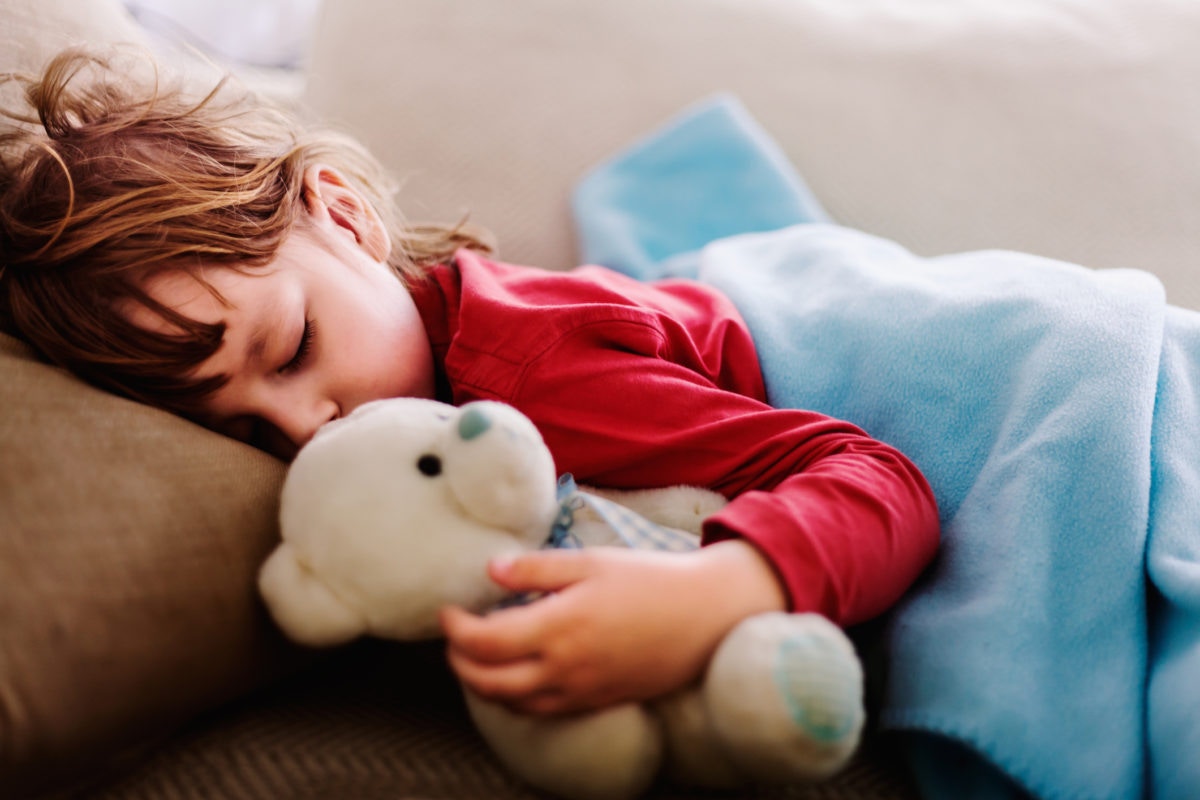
322 329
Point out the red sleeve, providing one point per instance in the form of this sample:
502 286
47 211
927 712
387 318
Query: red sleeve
847 521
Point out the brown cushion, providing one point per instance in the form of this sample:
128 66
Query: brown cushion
129 545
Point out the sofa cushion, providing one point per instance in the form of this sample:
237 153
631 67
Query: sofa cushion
352 728
131 542
1067 129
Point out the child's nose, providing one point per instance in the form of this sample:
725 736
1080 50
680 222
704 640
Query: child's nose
299 423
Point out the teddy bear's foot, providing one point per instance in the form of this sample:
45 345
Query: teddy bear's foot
784 694
610 754
694 757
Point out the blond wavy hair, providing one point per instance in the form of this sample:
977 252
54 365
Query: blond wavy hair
106 179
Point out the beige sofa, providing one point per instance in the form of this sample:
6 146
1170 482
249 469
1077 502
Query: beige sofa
135 658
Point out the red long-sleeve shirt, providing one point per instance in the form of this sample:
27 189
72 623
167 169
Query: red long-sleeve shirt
641 385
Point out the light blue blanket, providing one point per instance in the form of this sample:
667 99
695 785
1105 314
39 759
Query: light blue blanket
1054 647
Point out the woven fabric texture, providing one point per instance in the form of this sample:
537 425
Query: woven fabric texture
386 721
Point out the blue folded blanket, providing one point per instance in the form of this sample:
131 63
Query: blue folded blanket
1054 647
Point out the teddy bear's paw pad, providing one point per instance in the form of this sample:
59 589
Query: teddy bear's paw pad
809 675
785 696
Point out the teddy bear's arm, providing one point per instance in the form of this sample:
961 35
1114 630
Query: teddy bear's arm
303 605
681 507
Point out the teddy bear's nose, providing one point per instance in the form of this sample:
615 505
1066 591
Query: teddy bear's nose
472 423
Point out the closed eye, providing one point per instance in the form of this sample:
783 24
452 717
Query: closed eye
303 349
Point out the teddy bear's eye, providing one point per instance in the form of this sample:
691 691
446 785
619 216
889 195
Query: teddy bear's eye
429 465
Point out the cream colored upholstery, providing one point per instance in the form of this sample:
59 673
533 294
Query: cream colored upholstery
1067 128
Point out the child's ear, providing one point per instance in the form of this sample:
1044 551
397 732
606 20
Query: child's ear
329 197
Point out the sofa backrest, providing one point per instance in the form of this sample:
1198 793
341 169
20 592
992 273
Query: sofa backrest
1066 128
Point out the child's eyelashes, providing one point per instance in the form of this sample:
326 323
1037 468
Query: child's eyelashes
303 349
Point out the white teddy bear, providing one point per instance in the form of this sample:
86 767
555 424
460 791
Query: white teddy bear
393 512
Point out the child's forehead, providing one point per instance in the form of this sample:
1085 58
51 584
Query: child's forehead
206 296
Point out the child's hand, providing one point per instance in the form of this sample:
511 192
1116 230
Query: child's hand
622 624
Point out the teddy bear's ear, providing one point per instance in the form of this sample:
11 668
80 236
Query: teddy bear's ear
303 605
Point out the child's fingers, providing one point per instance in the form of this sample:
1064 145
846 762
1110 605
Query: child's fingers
540 571
514 681
503 636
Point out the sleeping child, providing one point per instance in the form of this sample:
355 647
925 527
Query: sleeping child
212 257
856 403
